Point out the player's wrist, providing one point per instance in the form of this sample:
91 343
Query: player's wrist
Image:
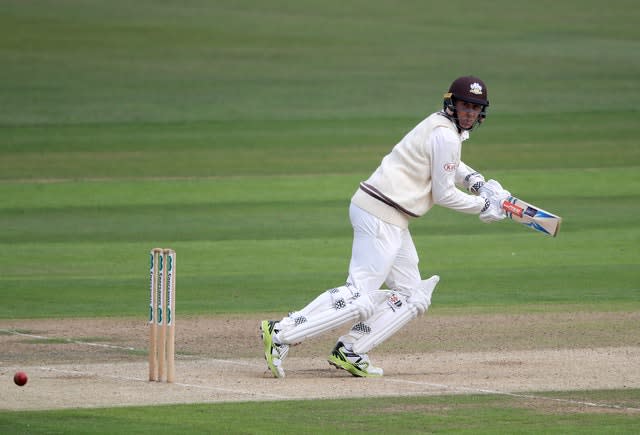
475 188
473 182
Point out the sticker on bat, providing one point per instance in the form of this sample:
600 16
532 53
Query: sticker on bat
510 207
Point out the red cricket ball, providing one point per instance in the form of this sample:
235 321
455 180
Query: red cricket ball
20 378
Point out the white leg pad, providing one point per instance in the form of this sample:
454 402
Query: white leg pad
390 316
328 311
334 297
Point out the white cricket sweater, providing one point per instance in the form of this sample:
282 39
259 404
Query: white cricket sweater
423 169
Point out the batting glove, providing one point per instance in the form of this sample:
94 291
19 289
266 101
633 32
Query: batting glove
473 182
494 191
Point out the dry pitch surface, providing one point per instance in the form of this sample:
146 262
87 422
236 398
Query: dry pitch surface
103 362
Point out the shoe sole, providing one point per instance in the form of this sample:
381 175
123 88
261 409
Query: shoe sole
268 344
355 371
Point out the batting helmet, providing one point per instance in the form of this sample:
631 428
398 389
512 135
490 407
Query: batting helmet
470 89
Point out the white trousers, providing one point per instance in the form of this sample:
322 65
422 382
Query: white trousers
381 254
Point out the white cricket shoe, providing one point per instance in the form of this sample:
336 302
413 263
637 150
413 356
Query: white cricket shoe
356 364
274 353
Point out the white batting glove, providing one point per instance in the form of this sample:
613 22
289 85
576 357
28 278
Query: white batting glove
473 182
494 195
492 212
493 190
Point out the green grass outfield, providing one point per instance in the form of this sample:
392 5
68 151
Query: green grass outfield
236 132
487 414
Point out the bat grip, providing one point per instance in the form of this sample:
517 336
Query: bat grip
511 207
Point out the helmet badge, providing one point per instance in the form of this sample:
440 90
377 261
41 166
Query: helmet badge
475 88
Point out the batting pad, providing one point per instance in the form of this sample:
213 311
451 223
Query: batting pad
324 320
394 313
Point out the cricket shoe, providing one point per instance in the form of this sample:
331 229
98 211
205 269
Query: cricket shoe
356 364
274 353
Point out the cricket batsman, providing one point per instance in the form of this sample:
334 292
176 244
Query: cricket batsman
384 289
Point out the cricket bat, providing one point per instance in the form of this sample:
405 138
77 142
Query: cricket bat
532 216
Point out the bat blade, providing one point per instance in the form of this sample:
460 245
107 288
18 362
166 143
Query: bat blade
532 216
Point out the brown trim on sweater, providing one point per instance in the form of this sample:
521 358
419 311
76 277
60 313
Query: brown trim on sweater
375 193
